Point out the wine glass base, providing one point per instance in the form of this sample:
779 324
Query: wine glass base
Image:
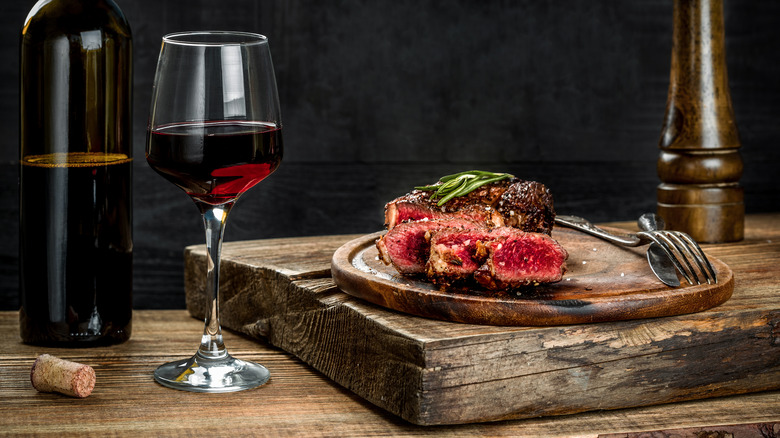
202 374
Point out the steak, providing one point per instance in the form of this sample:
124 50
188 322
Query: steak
453 256
407 246
516 258
497 236
498 258
526 205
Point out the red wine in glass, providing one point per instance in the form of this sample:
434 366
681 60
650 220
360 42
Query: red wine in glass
215 161
215 132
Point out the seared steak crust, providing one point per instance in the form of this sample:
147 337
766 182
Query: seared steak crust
497 236
526 205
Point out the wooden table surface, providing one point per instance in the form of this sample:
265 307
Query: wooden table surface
298 400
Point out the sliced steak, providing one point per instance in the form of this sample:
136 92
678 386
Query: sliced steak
526 205
498 258
407 246
453 254
515 258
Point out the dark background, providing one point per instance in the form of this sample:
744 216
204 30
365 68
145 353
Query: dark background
378 96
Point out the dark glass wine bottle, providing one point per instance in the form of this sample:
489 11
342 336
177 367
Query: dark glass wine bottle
75 191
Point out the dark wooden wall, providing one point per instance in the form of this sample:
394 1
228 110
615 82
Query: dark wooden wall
378 96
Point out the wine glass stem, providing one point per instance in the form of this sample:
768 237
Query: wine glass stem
214 217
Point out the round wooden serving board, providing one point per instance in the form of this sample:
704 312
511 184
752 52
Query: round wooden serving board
603 282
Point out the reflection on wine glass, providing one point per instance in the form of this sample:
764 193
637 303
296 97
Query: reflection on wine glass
215 131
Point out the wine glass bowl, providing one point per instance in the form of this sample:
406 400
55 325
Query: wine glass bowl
215 132
215 161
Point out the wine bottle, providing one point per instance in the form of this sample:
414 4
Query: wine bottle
75 174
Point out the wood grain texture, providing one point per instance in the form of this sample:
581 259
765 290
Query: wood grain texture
297 401
436 372
603 282
756 430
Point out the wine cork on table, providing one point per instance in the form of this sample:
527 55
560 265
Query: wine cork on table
52 374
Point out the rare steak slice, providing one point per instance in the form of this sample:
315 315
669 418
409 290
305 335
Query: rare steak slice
407 246
515 258
454 254
526 205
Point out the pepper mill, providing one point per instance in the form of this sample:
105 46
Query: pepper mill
700 164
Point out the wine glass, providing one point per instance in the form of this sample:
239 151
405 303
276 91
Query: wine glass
214 131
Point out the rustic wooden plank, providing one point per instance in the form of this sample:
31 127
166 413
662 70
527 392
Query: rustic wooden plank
297 401
435 372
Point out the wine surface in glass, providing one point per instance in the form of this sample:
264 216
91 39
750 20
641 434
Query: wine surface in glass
215 161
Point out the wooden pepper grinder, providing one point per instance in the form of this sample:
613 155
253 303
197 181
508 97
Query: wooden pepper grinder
700 164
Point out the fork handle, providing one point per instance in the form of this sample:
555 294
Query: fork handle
586 226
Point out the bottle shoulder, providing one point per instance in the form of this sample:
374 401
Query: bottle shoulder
53 18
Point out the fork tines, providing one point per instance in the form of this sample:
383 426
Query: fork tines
680 246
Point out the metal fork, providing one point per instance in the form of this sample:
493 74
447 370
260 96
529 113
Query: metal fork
682 250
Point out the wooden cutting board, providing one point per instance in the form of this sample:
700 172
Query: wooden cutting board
603 282
428 371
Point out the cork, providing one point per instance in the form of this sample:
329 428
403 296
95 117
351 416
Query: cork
52 374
